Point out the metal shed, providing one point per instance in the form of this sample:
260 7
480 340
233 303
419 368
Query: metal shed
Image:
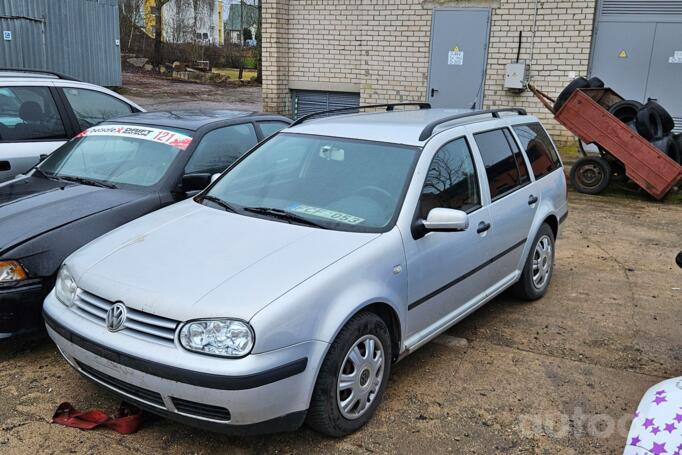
80 38
637 50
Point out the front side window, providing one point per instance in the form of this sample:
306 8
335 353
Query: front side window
117 154
342 184
93 107
501 167
220 148
539 149
29 113
451 181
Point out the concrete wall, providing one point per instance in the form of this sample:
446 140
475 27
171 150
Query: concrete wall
380 48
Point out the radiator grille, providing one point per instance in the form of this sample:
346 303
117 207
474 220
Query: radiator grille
201 410
138 323
132 390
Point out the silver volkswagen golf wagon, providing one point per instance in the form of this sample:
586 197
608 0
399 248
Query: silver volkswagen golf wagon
284 292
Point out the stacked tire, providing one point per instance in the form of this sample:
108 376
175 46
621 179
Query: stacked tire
592 174
653 123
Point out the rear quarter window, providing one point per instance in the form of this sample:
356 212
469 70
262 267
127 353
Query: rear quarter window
541 153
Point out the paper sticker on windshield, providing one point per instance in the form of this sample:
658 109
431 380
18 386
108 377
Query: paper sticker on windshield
177 140
327 214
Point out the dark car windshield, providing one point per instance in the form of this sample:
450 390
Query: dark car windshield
115 154
342 184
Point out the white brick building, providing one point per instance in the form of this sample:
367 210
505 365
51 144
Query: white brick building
377 51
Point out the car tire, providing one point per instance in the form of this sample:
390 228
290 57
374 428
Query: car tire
595 82
367 380
538 268
649 124
669 147
566 93
626 111
678 141
591 175
667 121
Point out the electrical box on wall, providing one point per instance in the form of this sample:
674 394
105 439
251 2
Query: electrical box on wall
515 76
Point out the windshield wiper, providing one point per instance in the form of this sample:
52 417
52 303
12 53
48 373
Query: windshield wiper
87 181
284 215
220 202
44 174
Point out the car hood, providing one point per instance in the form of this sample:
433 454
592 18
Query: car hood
190 261
32 206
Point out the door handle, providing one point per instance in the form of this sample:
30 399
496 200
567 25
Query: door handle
5 166
433 92
532 199
482 227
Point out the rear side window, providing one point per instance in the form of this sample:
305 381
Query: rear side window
220 148
270 128
539 149
29 113
451 181
499 155
93 107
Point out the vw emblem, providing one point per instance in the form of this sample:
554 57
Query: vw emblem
116 317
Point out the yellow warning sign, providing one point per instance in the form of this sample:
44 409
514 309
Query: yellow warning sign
623 54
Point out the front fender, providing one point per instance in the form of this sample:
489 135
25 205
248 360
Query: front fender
320 306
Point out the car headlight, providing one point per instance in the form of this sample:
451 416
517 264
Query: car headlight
11 271
220 337
65 287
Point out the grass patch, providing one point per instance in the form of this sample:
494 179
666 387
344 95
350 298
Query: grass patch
233 73
569 153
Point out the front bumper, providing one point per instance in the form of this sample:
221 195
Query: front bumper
20 308
260 393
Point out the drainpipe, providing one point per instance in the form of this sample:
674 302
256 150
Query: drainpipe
532 41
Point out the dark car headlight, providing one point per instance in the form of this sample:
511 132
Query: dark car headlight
11 272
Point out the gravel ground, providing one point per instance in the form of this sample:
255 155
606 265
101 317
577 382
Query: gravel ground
556 376
156 93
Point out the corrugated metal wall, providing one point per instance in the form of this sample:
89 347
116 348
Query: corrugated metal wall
75 37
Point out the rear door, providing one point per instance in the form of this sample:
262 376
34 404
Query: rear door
31 125
513 202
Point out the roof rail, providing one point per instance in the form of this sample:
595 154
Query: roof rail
389 107
427 132
65 77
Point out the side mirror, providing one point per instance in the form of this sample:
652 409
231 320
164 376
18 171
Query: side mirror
446 220
195 182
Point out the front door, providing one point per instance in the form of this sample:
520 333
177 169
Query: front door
445 271
459 50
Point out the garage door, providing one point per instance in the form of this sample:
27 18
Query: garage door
637 50
306 102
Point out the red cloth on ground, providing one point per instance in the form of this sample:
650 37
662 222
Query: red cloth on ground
127 420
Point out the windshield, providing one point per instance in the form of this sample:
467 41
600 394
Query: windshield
342 184
115 154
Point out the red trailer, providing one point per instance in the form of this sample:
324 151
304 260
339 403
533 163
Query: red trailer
586 115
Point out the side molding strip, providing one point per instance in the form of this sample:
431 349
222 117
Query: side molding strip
424 299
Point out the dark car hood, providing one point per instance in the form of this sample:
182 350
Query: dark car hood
32 206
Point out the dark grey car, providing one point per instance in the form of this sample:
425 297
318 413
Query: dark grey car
105 177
